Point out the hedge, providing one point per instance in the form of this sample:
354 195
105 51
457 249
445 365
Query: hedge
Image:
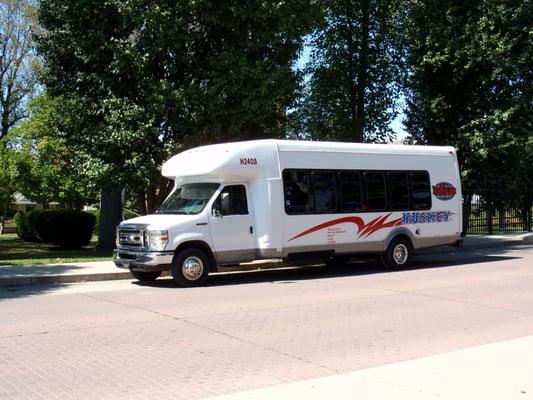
17 218
96 214
25 223
67 229
127 214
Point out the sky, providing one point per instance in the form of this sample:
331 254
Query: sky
396 125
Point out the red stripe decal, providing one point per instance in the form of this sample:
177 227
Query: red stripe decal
364 230
380 224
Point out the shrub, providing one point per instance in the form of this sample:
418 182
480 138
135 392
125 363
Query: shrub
26 225
128 214
17 219
96 213
67 229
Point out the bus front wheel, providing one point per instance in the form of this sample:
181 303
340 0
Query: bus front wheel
190 267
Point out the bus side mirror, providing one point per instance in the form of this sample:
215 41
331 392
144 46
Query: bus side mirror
225 203
215 211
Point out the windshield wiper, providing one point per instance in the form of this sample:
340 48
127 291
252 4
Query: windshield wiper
178 212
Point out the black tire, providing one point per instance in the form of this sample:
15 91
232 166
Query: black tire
190 267
398 254
146 276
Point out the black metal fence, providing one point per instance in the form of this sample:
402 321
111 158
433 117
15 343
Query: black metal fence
494 210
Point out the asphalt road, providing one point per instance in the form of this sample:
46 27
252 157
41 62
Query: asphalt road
243 331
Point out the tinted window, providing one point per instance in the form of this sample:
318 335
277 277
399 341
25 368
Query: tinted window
420 191
324 191
232 201
296 188
190 198
375 189
350 191
399 190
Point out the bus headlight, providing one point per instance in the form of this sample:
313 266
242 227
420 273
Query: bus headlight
156 240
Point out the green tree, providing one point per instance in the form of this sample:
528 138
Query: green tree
150 78
17 77
45 168
471 84
7 182
17 83
355 72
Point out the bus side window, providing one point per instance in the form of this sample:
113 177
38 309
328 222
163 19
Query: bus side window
375 189
324 191
232 201
350 192
420 191
399 191
296 188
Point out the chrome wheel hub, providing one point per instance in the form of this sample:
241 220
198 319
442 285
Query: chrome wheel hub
192 268
400 254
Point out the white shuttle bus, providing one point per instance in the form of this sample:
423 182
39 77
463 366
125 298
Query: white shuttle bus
295 200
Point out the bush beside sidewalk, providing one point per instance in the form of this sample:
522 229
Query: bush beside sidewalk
104 269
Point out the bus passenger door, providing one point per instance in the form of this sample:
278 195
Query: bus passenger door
232 225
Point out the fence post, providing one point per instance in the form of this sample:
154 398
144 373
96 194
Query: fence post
489 210
529 214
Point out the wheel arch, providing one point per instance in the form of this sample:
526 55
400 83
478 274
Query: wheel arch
399 233
198 244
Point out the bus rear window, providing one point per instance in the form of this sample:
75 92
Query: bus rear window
420 191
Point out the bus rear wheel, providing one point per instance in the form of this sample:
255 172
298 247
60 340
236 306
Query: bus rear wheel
398 254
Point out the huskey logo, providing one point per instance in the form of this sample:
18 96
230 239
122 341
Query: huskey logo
444 191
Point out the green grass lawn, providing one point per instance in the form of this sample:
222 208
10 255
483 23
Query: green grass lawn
14 251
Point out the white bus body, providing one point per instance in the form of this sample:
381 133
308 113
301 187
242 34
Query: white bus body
264 199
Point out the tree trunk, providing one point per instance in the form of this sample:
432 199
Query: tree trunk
2 217
165 188
110 217
141 201
151 199
5 124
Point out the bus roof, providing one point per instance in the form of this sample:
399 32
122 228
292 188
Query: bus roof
216 159
373 148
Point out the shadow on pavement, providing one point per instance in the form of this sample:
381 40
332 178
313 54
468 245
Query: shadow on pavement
13 292
20 281
364 267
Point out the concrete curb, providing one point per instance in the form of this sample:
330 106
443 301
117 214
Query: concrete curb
528 239
475 243
51 279
500 241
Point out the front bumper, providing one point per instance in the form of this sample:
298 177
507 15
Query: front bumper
143 260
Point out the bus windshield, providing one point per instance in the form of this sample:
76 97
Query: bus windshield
189 198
